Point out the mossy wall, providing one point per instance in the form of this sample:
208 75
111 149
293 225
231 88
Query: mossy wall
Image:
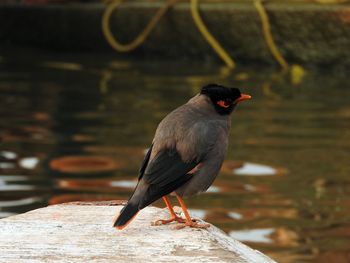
305 32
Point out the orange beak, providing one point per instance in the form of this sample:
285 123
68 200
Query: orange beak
243 97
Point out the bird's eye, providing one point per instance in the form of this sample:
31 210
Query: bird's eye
223 103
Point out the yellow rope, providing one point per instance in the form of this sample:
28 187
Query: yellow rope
113 42
268 35
141 37
209 37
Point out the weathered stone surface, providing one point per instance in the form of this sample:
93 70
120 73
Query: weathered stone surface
304 31
84 233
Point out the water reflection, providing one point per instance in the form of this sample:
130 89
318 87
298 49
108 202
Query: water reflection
280 237
84 164
251 169
20 202
28 162
255 170
4 165
130 184
62 65
84 197
235 215
77 128
213 189
16 187
8 155
253 235
198 213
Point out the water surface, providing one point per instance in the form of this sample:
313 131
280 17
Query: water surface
76 127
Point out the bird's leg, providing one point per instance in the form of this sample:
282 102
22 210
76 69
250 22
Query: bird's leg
174 216
189 221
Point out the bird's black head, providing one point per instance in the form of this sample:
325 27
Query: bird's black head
224 99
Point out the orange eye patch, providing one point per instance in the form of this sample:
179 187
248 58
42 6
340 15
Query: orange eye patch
223 104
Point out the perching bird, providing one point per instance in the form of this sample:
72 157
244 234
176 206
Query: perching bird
186 155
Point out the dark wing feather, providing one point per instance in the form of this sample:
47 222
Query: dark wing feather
154 192
145 162
164 174
166 167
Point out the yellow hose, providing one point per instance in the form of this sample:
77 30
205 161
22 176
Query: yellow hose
141 37
114 43
268 35
209 37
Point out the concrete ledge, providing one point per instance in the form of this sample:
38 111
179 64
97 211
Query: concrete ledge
84 233
305 32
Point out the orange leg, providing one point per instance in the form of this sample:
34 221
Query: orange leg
189 221
173 217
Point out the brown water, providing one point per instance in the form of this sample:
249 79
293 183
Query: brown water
75 127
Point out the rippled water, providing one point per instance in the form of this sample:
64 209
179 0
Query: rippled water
76 127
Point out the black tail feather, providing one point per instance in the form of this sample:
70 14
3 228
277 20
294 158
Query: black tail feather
155 192
145 195
126 215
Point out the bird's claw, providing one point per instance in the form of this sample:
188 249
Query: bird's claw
167 221
193 224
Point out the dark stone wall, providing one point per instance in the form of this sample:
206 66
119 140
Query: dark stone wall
305 32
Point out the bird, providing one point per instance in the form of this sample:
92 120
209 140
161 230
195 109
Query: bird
186 154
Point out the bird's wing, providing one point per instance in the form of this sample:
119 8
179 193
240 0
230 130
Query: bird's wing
145 162
171 163
169 168
209 168
164 174
166 167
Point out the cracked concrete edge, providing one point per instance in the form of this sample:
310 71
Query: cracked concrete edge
80 232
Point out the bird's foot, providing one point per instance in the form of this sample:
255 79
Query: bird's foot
167 221
193 224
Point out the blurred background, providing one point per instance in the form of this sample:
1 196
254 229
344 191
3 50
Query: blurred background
83 85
